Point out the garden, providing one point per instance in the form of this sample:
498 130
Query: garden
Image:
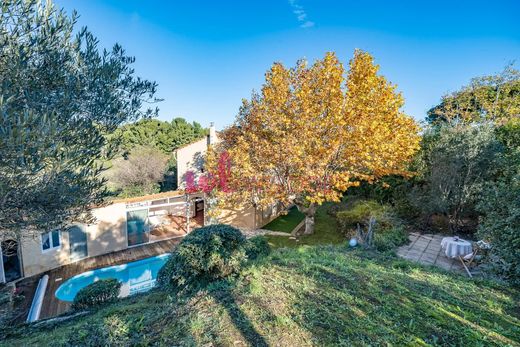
326 139
223 289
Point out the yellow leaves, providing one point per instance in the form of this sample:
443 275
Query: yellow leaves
305 135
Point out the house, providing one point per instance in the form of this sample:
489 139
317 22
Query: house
120 225
127 223
190 157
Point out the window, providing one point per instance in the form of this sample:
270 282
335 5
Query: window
137 227
51 240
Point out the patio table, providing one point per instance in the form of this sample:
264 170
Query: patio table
457 248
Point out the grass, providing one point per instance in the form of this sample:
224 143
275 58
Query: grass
286 223
313 295
325 232
320 296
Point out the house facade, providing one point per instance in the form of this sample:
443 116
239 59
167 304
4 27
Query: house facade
120 225
190 157
127 223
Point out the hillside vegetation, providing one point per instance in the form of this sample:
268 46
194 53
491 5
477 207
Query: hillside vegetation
321 296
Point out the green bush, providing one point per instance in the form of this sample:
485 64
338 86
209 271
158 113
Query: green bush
389 232
361 211
389 239
257 247
97 293
205 255
500 226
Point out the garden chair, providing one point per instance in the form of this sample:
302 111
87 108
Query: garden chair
469 260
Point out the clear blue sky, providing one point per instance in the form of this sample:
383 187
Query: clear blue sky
208 55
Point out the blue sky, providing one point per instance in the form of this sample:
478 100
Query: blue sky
208 55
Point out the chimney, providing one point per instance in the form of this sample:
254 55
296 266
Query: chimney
212 134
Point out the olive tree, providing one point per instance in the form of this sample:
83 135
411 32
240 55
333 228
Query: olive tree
456 162
499 206
141 172
60 94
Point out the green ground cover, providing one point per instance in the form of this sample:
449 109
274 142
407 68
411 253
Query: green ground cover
286 223
325 232
321 296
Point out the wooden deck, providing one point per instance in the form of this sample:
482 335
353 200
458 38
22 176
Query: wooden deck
52 306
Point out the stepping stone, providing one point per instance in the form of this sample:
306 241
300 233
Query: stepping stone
430 260
425 262
431 252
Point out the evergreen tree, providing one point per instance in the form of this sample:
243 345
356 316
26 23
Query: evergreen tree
59 95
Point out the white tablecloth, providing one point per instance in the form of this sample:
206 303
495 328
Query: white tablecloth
454 248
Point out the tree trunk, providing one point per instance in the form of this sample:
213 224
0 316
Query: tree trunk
309 225
309 212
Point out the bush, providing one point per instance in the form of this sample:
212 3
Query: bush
205 255
360 213
257 247
387 240
500 225
97 293
389 232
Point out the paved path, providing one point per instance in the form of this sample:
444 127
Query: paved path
257 232
426 249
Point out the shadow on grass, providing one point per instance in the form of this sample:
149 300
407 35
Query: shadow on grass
224 296
371 302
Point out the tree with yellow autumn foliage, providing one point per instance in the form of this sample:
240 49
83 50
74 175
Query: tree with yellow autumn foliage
312 132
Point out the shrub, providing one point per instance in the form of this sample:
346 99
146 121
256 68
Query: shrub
97 293
500 225
389 239
205 255
388 231
457 161
257 247
360 213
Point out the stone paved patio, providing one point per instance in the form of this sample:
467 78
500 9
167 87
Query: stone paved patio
426 249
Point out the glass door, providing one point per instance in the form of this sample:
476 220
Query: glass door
137 227
78 242
10 261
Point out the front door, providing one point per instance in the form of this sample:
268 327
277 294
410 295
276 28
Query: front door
78 242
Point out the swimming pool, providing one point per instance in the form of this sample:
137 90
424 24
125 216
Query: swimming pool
138 276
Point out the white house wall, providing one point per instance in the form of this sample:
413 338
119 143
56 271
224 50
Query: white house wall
107 235
190 158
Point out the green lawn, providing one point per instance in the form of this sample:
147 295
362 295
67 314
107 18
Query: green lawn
286 223
325 232
314 295
319 296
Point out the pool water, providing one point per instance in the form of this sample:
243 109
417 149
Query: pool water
135 277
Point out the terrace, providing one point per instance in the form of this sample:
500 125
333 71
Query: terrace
162 216
53 307
153 225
